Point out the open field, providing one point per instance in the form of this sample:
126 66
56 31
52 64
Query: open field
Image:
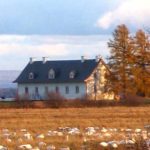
43 121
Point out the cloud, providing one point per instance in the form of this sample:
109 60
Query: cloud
131 12
18 48
25 46
33 50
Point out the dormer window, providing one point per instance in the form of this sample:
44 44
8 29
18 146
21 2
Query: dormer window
51 74
31 75
72 75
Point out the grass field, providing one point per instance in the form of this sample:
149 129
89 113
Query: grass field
40 121
44 119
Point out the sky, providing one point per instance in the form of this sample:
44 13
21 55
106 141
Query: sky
63 29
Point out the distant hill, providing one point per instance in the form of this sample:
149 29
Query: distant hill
7 77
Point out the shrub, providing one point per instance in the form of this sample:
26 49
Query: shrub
55 100
23 102
132 100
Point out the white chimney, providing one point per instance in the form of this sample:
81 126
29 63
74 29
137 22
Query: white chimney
44 59
31 60
82 59
97 58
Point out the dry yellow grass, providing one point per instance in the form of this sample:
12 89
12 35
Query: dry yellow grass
45 119
38 121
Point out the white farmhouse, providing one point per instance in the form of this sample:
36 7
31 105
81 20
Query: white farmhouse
70 78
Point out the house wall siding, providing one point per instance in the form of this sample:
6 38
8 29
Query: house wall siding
52 88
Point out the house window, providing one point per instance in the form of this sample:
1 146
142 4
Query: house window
51 74
57 89
26 90
36 90
96 75
77 89
72 74
67 90
31 75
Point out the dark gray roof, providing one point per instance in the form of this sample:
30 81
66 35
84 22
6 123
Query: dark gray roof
62 69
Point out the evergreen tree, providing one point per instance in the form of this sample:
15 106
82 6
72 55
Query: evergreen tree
121 49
